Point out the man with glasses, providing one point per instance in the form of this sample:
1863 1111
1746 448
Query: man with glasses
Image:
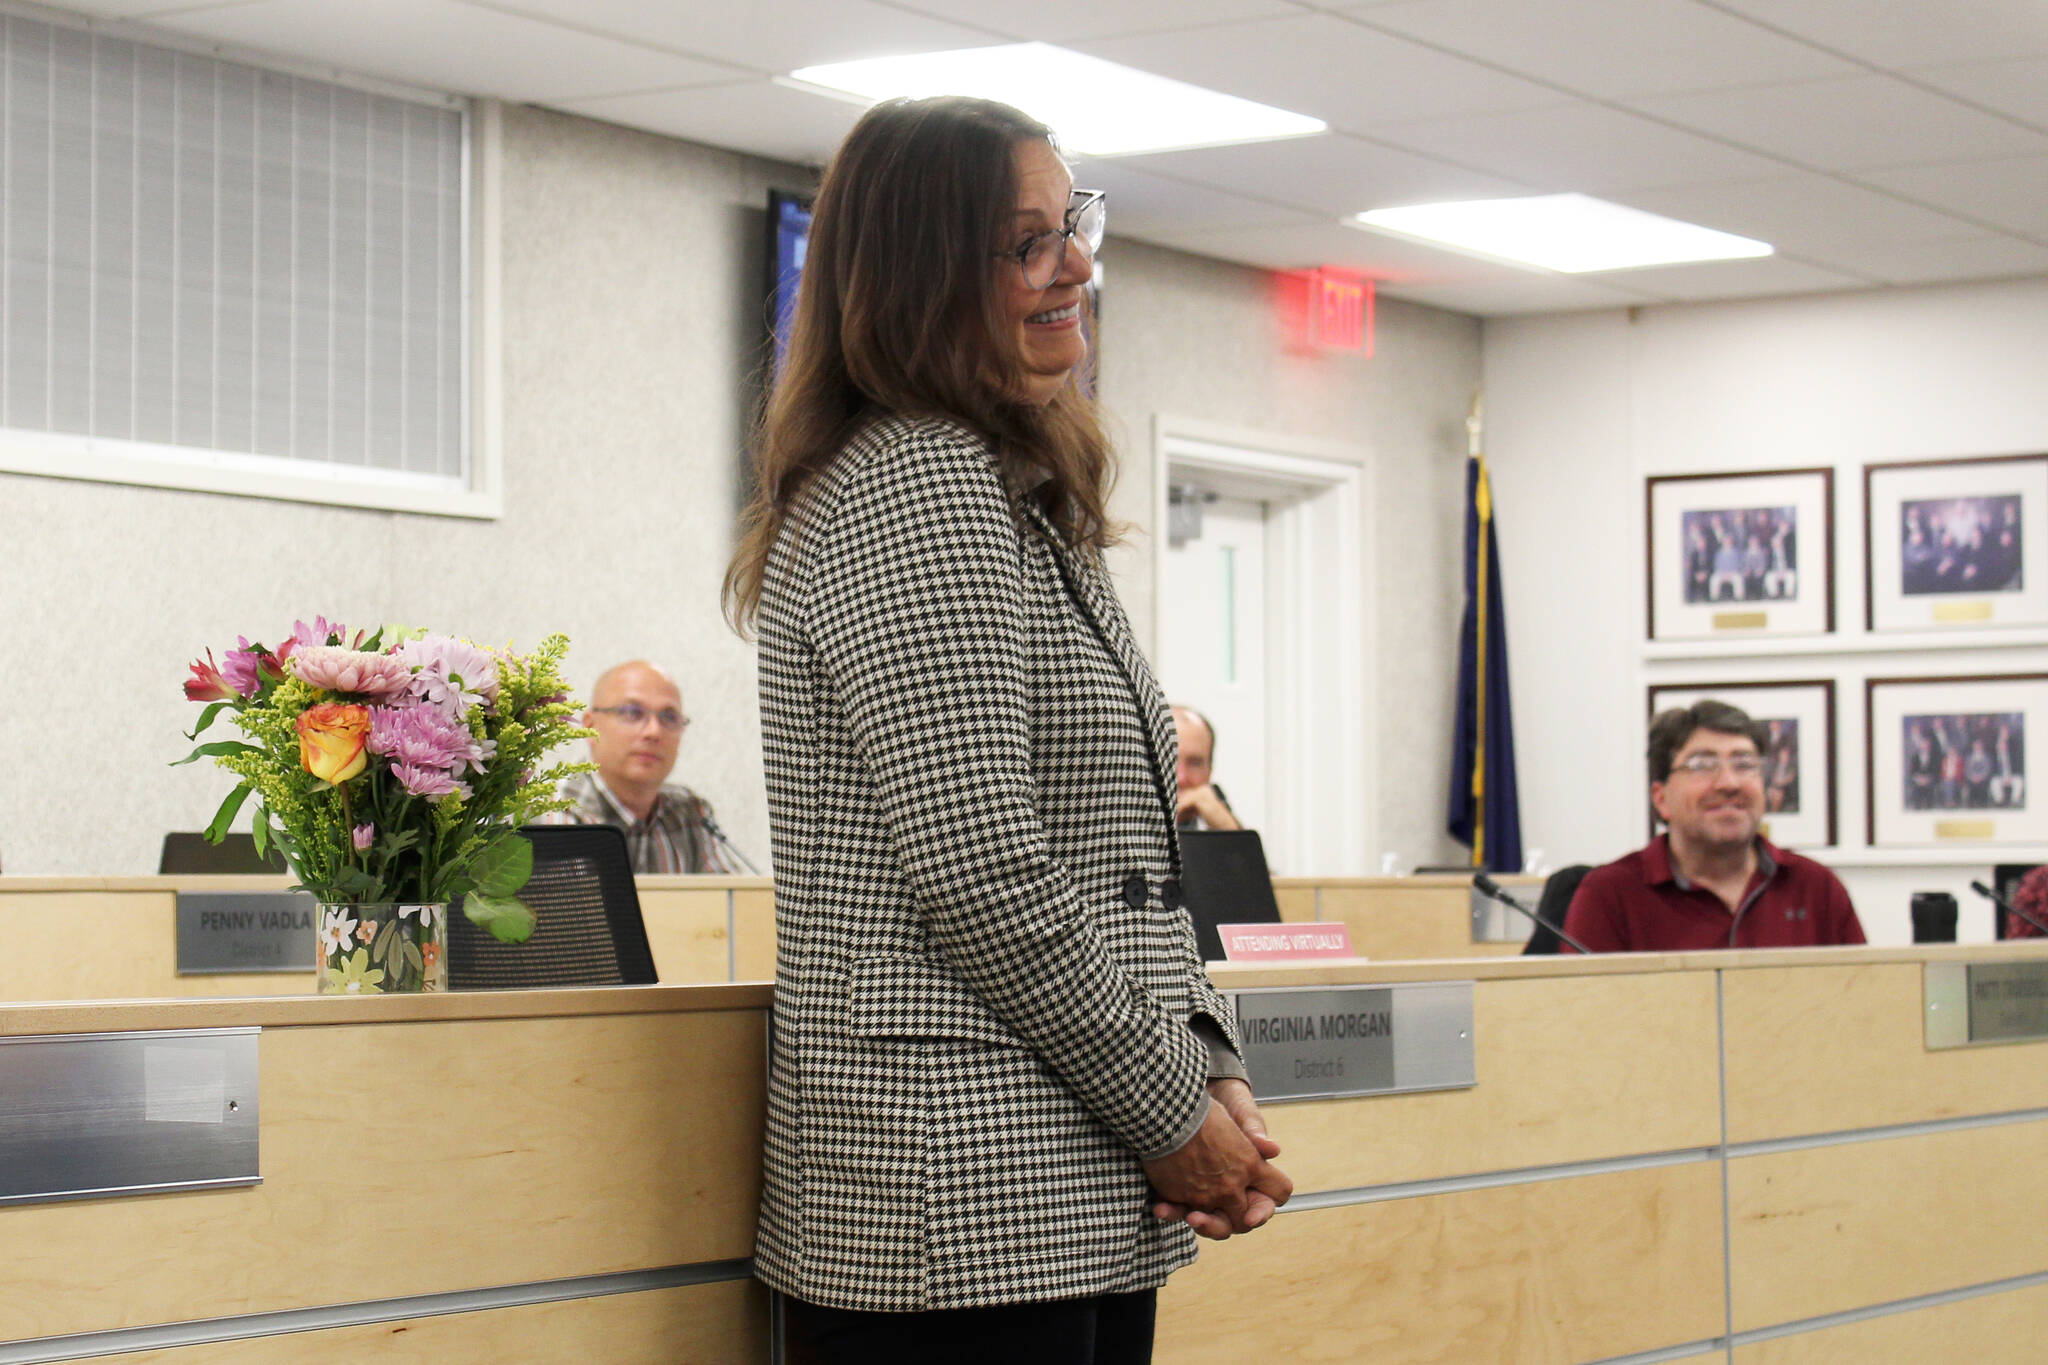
1710 880
637 711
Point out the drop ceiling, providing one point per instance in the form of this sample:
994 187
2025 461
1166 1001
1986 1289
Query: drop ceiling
1876 144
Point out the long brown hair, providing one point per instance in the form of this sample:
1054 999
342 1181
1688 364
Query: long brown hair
899 312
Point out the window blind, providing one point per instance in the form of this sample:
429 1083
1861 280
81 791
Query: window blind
202 254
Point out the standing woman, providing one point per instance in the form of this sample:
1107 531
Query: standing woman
1003 1096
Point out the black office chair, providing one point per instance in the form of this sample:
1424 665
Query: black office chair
1558 889
588 930
235 855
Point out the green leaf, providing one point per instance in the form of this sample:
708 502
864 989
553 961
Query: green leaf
502 867
225 816
206 718
259 830
416 959
386 936
507 919
217 749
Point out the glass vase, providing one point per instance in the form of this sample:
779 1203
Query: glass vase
381 949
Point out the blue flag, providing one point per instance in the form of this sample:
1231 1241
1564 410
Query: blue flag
1485 810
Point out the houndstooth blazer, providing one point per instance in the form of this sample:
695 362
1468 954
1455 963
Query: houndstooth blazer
983 979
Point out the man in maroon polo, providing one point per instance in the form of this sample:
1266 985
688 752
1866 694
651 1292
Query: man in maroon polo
1710 880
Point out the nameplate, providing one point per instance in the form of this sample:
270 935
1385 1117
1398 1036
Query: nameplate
1327 1042
1284 942
1964 829
127 1113
1962 611
1741 620
245 931
1986 1002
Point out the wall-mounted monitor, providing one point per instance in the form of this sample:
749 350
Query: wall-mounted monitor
789 234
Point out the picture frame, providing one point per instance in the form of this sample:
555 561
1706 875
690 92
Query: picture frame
1799 757
1949 758
1740 555
1955 544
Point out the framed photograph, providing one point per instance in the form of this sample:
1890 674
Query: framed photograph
1734 555
1949 759
1956 544
1799 754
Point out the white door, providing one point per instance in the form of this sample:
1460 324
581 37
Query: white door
1213 646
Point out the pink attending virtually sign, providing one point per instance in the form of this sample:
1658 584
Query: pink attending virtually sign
1284 942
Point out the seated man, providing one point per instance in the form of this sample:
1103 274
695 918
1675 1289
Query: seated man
1200 804
1709 881
637 712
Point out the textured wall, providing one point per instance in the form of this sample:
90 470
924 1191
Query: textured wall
1200 339
630 334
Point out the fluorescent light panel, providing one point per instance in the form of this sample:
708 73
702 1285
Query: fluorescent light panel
1096 107
1571 233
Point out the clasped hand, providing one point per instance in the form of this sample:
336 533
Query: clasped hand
1223 1180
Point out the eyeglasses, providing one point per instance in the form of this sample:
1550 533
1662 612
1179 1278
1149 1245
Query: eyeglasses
633 715
1709 765
1044 256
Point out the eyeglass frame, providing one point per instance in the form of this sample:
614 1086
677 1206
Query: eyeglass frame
1078 202
626 711
1709 766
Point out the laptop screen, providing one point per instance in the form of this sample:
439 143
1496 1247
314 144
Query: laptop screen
1224 880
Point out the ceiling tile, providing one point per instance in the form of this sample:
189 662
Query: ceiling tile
755 116
1140 204
1895 33
1987 256
2009 194
1347 75
774 37
1844 125
443 45
1807 215
1534 294
1585 147
2017 89
1067 21
1702 280
1334 175
1610 48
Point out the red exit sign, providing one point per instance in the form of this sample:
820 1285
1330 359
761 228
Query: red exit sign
1341 311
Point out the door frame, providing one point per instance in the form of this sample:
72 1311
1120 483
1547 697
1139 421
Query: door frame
1322 715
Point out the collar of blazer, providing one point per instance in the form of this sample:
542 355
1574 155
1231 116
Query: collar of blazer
1087 582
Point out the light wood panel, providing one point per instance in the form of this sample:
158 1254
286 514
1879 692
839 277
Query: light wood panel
420 1158
1569 1070
1297 902
110 945
1540 1274
710 1324
1826 1229
1991 1329
753 921
687 929
1824 1049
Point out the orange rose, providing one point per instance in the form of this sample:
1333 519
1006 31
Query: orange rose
332 737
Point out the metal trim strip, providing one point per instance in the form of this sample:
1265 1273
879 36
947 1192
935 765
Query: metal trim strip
1882 1310
38 1351
1526 1175
1771 1146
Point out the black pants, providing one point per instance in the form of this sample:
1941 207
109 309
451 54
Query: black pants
1113 1329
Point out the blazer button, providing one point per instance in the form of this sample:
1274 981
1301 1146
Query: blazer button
1169 893
1134 891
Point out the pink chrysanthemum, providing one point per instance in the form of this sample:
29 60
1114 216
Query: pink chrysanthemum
426 781
450 672
423 736
242 666
351 671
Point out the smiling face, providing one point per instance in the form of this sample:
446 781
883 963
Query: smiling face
1046 322
1712 811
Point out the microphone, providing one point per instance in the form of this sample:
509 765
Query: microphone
2002 903
711 828
1493 890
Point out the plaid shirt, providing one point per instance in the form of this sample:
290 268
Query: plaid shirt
673 837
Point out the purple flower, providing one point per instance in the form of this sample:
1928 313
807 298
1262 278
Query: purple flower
450 672
424 736
243 666
361 836
319 633
421 781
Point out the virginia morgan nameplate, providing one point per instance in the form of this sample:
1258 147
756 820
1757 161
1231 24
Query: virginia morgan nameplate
1356 1040
245 931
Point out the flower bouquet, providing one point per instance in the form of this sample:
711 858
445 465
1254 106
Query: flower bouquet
392 769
